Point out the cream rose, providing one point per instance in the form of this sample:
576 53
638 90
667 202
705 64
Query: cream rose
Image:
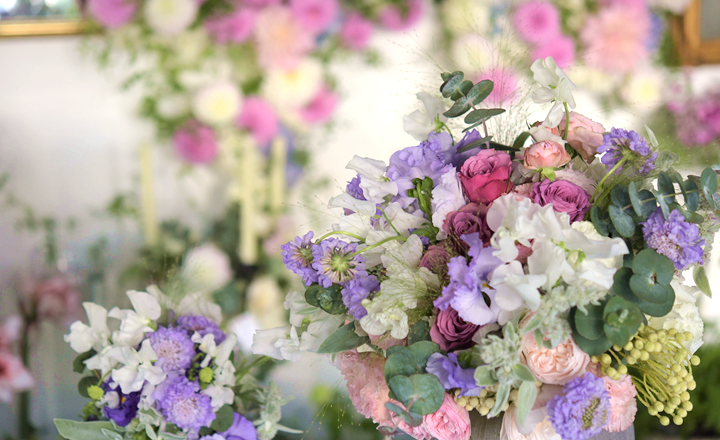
554 366
545 154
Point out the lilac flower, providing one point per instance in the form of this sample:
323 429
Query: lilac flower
424 160
452 375
298 257
675 238
126 408
582 410
620 144
241 429
468 289
357 290
202 325
175 350
457 159
353 188
334 262
181 402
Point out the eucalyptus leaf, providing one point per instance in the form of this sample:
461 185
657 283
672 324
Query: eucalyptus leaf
649 204
590 325
224 418
526 399
598 221
708 180
343 339
451 84
666 187
74 430
622 221
459 108
411 418
482 114
701 280
593 347
328 299
79 361
520 140
662 204
420 393
620 196
421 352
480 91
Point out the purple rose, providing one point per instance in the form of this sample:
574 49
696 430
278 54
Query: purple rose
436 260
451 332
565 197
469 219
486 176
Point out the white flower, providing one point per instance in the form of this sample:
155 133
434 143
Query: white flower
555 87
381 319
138 367
512 220
403 221
674 6
447 197
134 324
217 103
101 361
172 106
514 289
219 395
685 316
244 327
170 17
300 310
280 343
373 182
206 268
419 124
84 337
198 303
293 88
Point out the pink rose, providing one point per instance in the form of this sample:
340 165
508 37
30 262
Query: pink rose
233 28
436 259
282 41
554 366
522 191
355 32
451 332
196 143
469 219
486 176
314 15
321 107
14 377
260 118
395 19
536 21
416 432
112 13
545 154
450 422
366 384
56 299
584 135
560 47
565 197
623 405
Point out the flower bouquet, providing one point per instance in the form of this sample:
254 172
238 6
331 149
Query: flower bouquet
543 283
167 372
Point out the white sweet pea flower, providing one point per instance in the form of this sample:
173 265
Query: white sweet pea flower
419 124
218 103
447 197
84 337
138 367
318 331
101 361
555 87
514 288
134 324
280 343
373 182
512 220
403 221
170 17
219 395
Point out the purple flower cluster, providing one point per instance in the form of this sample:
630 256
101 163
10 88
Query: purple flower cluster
181 402
451 375
582 410
353 188
334 262
202 325
241 429
174 349
298 257
621 143
357 290
675 238
124 410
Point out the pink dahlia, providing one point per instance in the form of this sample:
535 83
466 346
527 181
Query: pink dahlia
396 19
536 21
314 15
615 38
561 48
112 13
320 108
355 32
196 143
282 41
366 385
234 28
259 118
505 85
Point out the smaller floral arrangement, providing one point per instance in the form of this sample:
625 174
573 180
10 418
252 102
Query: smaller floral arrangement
541 282
166 371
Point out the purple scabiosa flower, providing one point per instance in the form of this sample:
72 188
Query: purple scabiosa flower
122 408
353 188
174 348
620 144
675 238
451 375
181 402
357 290
582 410
298 257
334 262
202 325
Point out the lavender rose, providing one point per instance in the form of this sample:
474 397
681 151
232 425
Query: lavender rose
451 332
486 176
469 219
565 197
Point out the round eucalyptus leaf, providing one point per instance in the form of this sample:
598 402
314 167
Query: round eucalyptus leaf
400 363
617 335
622 221
424 391
590 325
649 262
328 299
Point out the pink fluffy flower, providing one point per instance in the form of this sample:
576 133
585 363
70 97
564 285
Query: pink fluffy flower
355 32
314 15
196 143
536 21
56 299
396 19
282 41
554 366
615 40
623 405
321 108
450 422
505 85
112 13
259 118
233 28
14 377
560 47
366 384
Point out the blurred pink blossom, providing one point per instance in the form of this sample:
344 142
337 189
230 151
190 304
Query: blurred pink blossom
261 3
505 85
536 21
259 118
366 384
55 299
615 39
112 13
697 121
196 143
234 28
626 3
9 332
321 108
282 41
395 19
14 377
314 15
356 31
561 48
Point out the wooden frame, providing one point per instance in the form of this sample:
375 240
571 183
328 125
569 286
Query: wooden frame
38 28
692 49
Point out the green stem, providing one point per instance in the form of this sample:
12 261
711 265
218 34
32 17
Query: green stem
339 233
445 126
379 243
664 196
615 168
389 222
567 121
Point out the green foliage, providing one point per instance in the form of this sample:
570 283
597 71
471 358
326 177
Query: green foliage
79 361
327 298
223 418
647 283
84 384
420 331
701 280
406 377
73 430
343 339
614 321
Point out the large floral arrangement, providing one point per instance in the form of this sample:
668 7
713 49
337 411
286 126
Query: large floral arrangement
544 282
167 371
498 40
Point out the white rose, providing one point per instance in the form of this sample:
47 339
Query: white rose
170 17
218 103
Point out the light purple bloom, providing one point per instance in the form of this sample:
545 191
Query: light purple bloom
181 402
126 410
202 325
619 143
458 159
334 264
357 290
582 410
353 188
298 257
241 429
174 348
675 238
451 375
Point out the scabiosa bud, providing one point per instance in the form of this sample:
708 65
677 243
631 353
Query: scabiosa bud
583 410
298 257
